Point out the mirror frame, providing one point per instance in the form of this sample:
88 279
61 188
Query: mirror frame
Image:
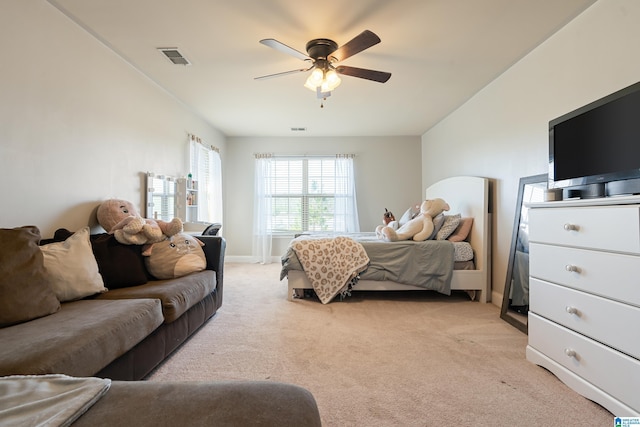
160 188
505 312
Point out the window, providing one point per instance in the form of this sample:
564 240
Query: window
302 192
296 194
310 194
206 169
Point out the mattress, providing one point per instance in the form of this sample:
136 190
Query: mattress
462 251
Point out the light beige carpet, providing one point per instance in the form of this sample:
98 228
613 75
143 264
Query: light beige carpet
379 359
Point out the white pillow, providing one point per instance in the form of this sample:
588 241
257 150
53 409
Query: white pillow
438 222
72 268
409 214
451 222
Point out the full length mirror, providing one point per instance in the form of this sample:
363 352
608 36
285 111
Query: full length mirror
515 301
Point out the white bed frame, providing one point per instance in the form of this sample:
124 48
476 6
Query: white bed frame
466 195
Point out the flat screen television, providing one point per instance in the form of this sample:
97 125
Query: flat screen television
594 151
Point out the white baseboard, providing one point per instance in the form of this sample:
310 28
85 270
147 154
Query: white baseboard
496 298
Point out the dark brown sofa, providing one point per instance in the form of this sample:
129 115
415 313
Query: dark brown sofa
122 334
179 322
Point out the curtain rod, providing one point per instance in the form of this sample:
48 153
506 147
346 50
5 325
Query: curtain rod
197 139
303 156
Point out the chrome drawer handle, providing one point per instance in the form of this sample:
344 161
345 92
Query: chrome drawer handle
570 352
571 310
572 268
571 227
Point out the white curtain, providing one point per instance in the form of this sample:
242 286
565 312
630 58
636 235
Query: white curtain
206 168
346 208
262 234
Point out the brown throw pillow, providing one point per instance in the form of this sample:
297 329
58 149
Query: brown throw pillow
461 233
120 265
25 291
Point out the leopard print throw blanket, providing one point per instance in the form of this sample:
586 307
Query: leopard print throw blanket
331 264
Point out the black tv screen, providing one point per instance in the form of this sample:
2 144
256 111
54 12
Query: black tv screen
598 143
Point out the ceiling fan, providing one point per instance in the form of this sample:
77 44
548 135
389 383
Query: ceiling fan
323 54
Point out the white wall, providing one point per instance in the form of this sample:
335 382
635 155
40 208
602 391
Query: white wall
77 124
501 133
387 176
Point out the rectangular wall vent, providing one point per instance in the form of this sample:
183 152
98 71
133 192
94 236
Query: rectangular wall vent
174 55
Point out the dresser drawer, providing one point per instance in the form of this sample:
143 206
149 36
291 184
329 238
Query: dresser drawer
609 370
609 275
611 228
606 321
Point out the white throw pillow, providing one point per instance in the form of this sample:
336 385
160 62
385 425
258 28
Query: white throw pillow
409 214
72 268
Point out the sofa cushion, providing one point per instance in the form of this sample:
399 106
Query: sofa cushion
80 339
25 290
177 295
72 268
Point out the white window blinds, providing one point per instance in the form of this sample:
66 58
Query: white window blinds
206 169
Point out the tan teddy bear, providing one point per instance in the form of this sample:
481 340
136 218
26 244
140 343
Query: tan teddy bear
120 218
419 228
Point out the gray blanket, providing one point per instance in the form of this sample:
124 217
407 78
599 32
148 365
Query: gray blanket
47 400
427 264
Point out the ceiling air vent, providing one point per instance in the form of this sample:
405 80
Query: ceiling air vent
174 55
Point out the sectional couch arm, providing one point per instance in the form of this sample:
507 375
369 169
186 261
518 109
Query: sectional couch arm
214 248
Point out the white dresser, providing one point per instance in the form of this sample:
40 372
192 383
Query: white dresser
584 318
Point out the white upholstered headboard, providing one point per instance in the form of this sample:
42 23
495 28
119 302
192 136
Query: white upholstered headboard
469 196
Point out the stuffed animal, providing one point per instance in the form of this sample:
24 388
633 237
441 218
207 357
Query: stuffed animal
410 213
174 256
120 218
387 217
419 228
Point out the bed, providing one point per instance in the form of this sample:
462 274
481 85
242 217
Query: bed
468 196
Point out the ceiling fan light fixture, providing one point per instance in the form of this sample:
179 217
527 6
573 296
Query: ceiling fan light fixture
332 79
323 81
315 79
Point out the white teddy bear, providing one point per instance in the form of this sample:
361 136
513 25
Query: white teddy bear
419 228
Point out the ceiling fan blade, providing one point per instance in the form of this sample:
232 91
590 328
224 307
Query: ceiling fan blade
362 41
363 73
273 43
284 73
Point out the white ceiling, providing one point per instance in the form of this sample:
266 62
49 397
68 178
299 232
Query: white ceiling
440 53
